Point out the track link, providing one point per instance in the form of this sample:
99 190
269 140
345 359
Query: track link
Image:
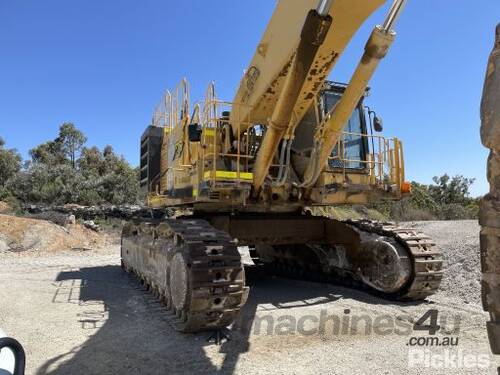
426 259
193 268
422 259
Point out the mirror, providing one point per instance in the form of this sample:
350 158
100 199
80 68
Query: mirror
378 124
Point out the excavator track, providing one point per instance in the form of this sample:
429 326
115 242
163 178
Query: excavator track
414 273
426 259
193 268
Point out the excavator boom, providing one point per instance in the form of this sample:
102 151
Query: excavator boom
263 81
280 88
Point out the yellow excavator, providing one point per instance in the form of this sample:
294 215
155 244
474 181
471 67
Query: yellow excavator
250 172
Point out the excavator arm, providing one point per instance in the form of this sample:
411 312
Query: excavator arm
292 63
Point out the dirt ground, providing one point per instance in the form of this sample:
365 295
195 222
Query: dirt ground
32 237
76 312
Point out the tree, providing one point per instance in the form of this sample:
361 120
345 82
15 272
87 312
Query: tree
91 161
46 184
10 163
50 153
72 141
65 171
451 190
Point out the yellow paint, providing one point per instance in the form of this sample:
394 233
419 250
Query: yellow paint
227 175
280 40
156 200
210 132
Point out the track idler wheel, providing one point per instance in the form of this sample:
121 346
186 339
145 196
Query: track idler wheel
384 266
180 290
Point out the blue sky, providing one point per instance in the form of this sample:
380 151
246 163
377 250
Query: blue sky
104 65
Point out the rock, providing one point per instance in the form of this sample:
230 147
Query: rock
4 207
489 216
28 234
34 208
489 212
91 225
490 110
125 212
71 220
494 172
58 218
3 244
489 244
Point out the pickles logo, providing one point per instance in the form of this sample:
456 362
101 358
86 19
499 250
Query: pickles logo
447 359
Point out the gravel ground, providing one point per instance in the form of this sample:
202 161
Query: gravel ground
76 312
459 242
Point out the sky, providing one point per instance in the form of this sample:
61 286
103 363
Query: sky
104 65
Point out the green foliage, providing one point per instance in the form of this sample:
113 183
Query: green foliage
451 190
447 199
454 211
72 141
49 153
44 183
10 164
14 204
422 198
64 171
64 149
4 193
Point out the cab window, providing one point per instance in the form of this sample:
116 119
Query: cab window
353 142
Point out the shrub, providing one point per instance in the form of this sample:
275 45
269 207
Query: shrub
64 171
406 210
4 193
456 211
10 163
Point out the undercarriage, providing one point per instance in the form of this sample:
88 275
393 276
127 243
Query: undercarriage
193 264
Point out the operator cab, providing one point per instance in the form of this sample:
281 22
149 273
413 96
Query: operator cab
352 150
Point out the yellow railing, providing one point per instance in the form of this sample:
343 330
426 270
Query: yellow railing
222 157
384 162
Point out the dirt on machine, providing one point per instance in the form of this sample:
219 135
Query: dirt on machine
250 171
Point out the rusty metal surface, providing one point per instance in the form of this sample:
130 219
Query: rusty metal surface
193 268
329 134
387 265
398 262
313 35
271 229
426 259
489 216
264 80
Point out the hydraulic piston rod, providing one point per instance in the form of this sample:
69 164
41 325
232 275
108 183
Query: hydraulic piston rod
328 135
313 34
394 13
324 7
